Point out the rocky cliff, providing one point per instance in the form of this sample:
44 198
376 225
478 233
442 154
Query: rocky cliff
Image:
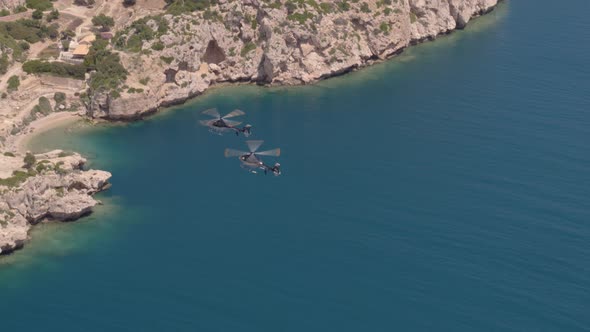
264 42
54 188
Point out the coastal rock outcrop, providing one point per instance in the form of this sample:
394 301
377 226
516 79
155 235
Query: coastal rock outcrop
56 187
265 43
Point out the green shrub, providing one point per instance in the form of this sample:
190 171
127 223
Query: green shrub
65 154
44 105
39 4
29 160
4 63
248 47
19 9
300 17
158 46
167 59
55 68
326 7
144 81
13 83
365 8
59 97
37 14
343 5
16 179
24 45
53 15
178 7
4 12
9 154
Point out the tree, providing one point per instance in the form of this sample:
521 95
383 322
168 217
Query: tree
38 14
105 22
29 160
128 3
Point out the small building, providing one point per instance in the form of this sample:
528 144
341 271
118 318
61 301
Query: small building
81 51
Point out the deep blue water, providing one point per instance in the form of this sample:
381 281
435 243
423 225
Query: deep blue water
448 189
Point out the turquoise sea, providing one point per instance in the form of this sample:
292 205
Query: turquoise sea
445 190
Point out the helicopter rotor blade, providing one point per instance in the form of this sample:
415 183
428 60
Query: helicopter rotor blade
212 112
273 153
254 145
233 153
232 123
233 113
207 123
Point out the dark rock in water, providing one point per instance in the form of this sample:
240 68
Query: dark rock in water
213 53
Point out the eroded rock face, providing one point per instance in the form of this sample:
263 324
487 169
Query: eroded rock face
10 4
58 189
252 41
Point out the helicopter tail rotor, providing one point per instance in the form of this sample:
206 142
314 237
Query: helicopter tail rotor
247 130
276 169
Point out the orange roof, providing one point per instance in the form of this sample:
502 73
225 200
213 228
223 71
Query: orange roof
81 50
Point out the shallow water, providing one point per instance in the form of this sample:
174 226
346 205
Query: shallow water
445 190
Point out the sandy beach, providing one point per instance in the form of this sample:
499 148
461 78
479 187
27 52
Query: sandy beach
20 142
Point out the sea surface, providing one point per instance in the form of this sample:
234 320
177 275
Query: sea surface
445 190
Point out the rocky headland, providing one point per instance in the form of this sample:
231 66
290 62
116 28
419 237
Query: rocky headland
149 54
49 186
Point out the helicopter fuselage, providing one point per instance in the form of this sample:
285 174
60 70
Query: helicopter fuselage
250 160
220 124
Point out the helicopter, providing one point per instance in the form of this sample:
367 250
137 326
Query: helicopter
251 160
221 124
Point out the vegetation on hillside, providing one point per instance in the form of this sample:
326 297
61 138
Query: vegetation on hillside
39 4
103 21
109 73
178 7
55 68
18 34
133 37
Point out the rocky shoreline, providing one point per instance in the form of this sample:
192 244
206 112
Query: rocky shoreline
252 42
